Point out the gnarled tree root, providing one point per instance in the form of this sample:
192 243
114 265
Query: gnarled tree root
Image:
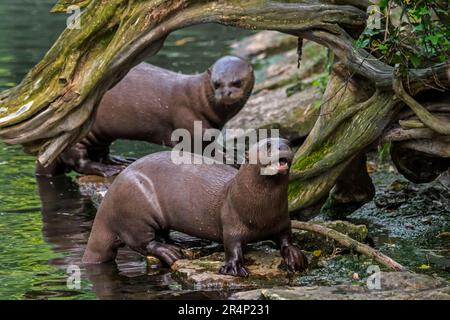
439 125
418 166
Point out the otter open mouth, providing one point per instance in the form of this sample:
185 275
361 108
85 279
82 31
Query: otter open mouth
283 165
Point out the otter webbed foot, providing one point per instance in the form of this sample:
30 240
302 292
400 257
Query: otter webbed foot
234 268
167 253
294 258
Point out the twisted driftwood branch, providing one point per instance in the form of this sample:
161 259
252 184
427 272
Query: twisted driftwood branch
350 243
54 105
353 115
400 134
360 62
426 117
432 147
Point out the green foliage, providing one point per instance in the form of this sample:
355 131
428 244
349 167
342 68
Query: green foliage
414 33
383 152
321 81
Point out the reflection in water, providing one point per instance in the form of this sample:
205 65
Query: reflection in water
67 219
36 244
27 30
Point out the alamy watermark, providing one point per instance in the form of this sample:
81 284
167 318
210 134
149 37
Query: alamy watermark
231 146
74 20
373 281
74 277
374 18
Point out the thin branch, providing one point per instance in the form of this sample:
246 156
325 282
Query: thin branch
363 63
350 243
400 134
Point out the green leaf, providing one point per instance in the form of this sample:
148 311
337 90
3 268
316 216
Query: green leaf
383 4
416 61
363 43
434 38
418 28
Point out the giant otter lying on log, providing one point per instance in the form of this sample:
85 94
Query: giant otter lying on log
210 201
151 102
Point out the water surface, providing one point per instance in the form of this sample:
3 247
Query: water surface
45 224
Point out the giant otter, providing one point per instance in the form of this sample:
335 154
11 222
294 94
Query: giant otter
151 102
211 201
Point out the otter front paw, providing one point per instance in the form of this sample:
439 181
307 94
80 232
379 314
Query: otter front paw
294 258
234 268
167 253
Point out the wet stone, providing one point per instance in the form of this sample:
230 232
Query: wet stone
263 43
394 286
284 97
94 187
202 273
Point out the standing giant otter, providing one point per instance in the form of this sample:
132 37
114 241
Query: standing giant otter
211 201
149 104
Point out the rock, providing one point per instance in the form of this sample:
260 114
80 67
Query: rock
281 70
263 265
265 42
444 234
94 187
311 241
294 116
410 281
394 286
284 97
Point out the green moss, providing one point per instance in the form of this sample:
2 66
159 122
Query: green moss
295 188
317 155
62 5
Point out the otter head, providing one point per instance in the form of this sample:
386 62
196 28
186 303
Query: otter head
232 80
272 156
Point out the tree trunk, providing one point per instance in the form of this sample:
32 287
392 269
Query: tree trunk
55 104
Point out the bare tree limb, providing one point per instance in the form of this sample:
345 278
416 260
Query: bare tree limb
430 121
359 61
349 243
400 134
432 147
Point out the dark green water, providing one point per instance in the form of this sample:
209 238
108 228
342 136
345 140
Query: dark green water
44 225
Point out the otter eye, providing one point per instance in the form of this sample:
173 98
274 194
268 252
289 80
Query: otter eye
237 83
216 84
